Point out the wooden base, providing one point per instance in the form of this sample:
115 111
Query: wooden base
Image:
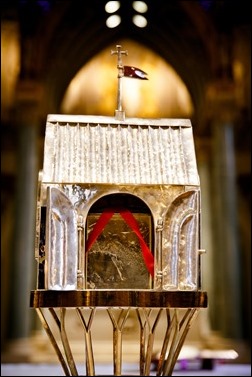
105 298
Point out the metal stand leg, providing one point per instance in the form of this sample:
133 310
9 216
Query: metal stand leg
146 355
180 330
61 326
117 337
90 369
53 341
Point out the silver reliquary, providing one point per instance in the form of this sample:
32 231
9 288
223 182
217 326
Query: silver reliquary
118 205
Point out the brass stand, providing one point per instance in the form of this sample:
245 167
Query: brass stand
118 303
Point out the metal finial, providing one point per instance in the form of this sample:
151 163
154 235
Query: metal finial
119 113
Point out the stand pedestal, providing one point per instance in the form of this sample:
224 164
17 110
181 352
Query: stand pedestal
180 309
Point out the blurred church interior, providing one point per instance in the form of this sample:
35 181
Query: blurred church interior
56 59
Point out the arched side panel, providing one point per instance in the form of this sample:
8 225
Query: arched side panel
61 249
180 243
188 253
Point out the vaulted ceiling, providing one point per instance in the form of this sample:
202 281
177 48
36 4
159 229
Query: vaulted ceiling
202 40
59 37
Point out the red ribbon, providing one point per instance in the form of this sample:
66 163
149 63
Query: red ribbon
131 221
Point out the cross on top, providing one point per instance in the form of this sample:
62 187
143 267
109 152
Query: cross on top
119 52
119 113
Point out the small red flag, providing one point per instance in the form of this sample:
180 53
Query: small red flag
134 73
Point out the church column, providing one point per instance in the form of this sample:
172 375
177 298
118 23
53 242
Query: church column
203 149
23 268
27 121
226 308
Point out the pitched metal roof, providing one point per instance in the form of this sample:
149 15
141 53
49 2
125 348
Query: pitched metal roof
101 149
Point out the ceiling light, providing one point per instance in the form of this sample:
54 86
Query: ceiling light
113 21
140 6
139 21
112 6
